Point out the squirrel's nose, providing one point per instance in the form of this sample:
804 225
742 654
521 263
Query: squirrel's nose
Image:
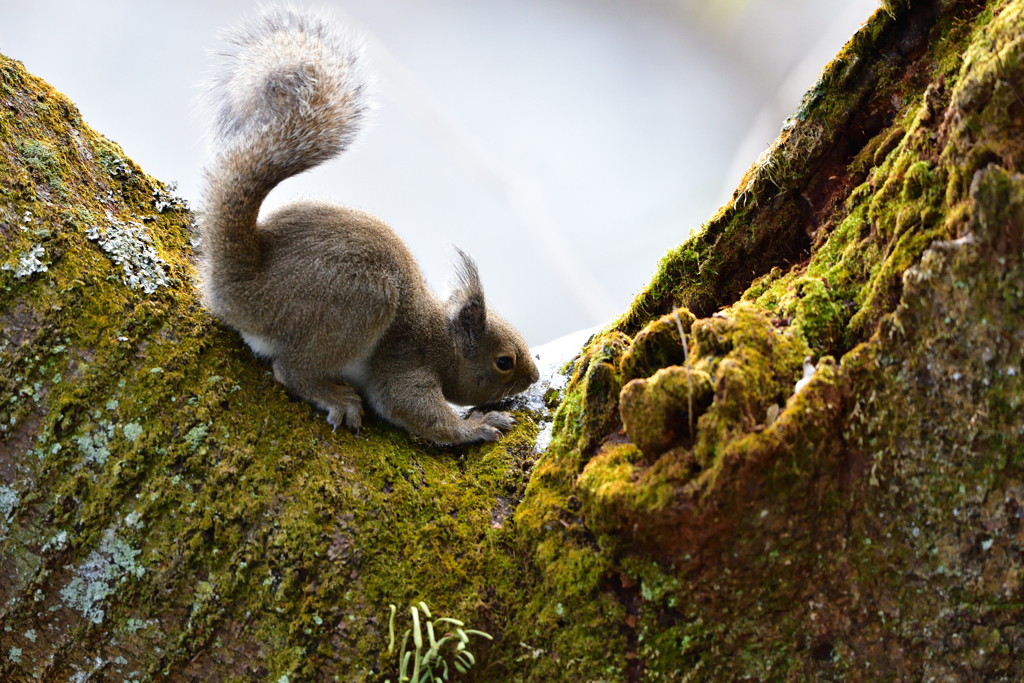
534 372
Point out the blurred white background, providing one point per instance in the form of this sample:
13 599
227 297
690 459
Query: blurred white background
564 144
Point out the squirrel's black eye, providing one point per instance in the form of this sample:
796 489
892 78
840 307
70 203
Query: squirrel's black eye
505 363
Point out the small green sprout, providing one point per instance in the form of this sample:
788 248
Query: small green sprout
431 666
391 630
689 377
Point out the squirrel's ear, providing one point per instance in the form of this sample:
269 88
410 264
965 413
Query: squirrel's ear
467 312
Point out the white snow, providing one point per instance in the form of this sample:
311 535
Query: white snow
809 369
550 359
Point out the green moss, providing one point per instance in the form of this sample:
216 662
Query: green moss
753 366
656 346
805 535
172 509
894 7
596 379
815 544
39 158
662 410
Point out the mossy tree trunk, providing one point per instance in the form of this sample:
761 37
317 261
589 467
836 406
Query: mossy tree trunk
167 513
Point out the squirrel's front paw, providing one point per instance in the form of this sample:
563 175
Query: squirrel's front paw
492 424
501 420
485 433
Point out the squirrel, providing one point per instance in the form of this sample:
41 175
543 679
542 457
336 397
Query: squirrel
329 294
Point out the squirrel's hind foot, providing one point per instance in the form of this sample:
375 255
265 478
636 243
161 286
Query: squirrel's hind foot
345 408
350 415
342 402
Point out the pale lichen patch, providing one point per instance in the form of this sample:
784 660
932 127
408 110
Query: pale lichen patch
111 563
94 446
129 245
132 431
28 263
9 500
165 200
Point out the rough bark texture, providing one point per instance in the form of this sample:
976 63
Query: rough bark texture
166 513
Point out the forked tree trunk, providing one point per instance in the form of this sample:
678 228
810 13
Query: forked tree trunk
168 513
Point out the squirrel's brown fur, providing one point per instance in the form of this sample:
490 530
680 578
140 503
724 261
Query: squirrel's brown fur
331 294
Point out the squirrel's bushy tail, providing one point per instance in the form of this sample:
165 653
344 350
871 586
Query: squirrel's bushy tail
287 94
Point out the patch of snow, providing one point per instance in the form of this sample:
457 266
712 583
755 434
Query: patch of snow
550 359
809 369
544 436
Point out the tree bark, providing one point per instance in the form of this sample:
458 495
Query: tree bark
167 512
